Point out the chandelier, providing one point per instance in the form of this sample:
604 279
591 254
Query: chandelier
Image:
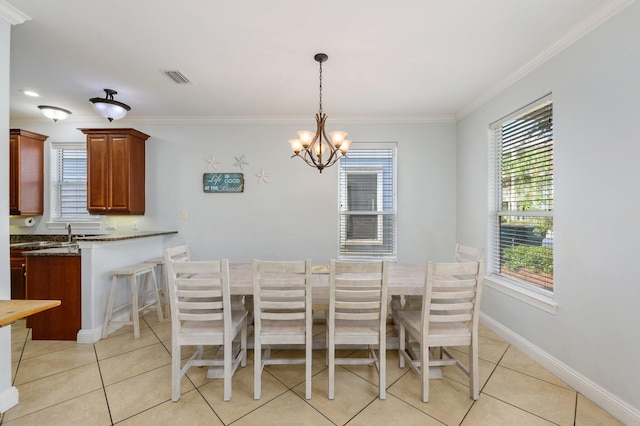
316 149
108 107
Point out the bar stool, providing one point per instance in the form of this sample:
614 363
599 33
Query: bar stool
163 288
133 272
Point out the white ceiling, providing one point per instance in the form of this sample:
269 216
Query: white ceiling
403 59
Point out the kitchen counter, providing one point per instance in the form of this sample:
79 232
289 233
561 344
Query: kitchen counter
124 236
65 250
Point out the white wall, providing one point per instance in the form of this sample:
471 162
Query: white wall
8 394
596 91
293 215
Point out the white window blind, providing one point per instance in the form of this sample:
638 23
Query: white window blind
69 179
522 228
367 202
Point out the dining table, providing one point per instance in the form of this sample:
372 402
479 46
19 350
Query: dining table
405 279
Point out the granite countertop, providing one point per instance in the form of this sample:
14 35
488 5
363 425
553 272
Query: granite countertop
124 236
58 245
67 250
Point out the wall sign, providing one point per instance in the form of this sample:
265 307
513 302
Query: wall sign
223 182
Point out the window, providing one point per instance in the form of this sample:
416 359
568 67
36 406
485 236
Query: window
522 229
367 202
69 182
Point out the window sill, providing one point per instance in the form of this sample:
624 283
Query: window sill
530 297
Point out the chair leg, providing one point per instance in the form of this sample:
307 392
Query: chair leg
175 371
382 371
134 307
401 344
257 367
243 345
307 365
424 371
331 352
156 294
474 385
228 361
107 317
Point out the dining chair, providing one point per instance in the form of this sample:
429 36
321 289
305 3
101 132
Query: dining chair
201 315
467 253
282 315
358 315
449 317
178 253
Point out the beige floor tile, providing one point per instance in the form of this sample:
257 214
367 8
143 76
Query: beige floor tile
286 409
554 403
136 394
516 360
392 411
488 411
449 400
87 410
370 372
34 348
162 330
242 401
589 414
40 394
455 373
55 362
117 344
488 349
352 394
130 364
190 410
292 375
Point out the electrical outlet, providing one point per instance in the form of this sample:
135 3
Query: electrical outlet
111 226
183 214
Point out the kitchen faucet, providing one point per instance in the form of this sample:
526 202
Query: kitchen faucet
68 227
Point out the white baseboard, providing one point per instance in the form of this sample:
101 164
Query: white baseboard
8 399
89 336
609 402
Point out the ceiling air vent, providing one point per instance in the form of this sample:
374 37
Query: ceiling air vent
177 76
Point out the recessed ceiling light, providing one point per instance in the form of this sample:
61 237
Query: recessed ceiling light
31 93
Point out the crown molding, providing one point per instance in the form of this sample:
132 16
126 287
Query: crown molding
579 30
11 14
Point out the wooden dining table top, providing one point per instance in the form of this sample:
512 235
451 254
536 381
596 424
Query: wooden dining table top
13 310
405 279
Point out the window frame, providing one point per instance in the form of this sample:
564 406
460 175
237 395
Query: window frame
56 220
385 197
526 289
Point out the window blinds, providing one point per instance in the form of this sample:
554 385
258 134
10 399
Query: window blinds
72 184
523 229
367 202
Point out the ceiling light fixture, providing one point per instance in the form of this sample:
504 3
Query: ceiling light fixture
315 148
109 108
54 113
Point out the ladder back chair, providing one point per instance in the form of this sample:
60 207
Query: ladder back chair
282 315
449 317
358 315
201 315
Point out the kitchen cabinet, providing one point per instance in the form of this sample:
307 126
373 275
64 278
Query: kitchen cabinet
55 278
18 287
115 171
26 172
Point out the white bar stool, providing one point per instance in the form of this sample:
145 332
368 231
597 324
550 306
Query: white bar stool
133 272
163 287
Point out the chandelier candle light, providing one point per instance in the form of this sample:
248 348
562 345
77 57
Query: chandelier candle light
316 149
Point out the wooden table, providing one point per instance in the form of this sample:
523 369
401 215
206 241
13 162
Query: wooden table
405 279
13 310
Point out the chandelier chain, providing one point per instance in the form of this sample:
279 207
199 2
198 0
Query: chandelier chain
320 88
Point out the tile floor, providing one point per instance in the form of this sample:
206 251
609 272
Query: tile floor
126 381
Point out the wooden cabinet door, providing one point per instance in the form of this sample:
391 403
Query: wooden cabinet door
18 288
119 173
97 173
14 178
